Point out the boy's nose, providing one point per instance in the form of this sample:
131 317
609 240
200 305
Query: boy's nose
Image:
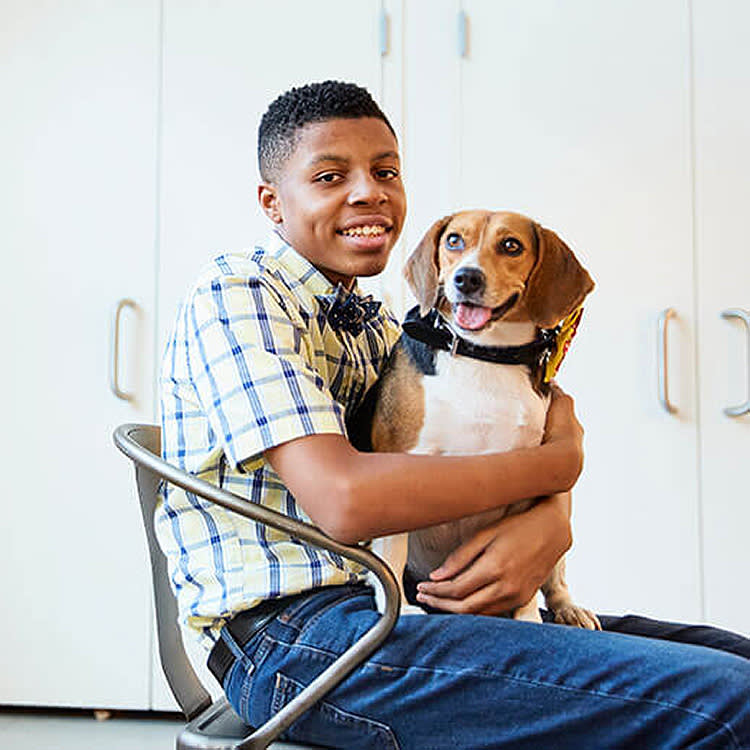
366 189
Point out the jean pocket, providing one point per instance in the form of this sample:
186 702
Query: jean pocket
329 725
240 679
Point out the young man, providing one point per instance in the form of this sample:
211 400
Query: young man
271 352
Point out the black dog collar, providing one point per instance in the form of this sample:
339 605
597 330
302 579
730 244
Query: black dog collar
433 331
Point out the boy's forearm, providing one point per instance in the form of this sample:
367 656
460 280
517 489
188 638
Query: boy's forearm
354 496
396 492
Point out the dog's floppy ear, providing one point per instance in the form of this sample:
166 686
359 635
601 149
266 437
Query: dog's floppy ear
558 282
421 269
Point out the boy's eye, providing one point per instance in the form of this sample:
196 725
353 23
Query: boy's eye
454 241
386 173
328 177
510 246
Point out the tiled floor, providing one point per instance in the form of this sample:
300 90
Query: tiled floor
24 730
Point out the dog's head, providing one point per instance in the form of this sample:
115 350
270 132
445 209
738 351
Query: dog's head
479 267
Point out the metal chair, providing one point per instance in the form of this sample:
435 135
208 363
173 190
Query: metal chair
214 725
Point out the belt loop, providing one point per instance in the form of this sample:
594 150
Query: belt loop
239 631
227 637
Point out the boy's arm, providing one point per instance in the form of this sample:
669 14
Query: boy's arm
354 496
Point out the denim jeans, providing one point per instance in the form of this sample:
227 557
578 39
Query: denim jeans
472 682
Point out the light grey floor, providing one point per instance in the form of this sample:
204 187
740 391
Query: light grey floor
39 731
79 731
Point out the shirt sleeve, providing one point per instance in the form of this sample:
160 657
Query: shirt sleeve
251 365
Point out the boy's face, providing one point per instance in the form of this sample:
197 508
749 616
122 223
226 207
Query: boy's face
338 199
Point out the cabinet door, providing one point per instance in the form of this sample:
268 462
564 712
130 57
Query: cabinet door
722 179
432 112
223 65
77 199
577 114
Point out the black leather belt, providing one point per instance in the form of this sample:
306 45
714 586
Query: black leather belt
242 627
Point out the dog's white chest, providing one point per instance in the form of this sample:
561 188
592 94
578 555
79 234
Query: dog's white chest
479 407
472 407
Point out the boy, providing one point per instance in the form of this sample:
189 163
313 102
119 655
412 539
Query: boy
271 352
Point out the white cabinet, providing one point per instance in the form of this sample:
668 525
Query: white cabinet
722 192
130 143
623 127
131 148
558 114
223 64
78 83
585 124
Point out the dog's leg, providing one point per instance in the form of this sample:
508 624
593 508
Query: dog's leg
558 599
529 612
394 550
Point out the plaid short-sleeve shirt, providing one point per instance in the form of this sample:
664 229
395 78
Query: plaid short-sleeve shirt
253 362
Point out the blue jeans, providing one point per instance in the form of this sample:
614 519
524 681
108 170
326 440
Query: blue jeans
473 682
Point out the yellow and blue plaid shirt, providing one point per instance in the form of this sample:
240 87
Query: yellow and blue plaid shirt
253 362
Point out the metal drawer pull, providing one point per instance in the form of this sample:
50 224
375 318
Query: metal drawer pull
463 40
743 315
115 363
664 319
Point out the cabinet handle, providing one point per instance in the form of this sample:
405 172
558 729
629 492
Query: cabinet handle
114 374
664 317
463 33
744 316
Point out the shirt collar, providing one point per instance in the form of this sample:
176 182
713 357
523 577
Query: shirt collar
344 309
300 268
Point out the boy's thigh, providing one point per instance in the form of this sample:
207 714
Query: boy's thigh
449 681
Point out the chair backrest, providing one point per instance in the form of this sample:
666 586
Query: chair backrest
186 688
140 443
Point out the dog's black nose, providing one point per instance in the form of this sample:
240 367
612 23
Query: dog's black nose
469 280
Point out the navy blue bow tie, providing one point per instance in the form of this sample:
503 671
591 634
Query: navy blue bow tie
346 311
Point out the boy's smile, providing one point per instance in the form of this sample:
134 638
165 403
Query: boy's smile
339 199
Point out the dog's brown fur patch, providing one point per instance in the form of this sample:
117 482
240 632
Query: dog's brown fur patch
399 414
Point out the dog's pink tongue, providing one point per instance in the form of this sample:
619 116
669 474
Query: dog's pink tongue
472 317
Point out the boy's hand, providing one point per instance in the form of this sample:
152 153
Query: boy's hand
562 423
563 427
504 565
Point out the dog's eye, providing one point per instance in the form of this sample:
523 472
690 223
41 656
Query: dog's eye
510 246
454 241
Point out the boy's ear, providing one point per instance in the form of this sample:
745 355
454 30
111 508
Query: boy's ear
269 202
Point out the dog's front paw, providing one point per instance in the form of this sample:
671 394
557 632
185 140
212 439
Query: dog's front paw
578 617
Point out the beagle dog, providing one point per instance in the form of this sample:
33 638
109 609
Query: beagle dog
469 373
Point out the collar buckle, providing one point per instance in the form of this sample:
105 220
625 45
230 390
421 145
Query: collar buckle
454 344
454 341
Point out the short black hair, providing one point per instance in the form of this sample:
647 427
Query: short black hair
300 106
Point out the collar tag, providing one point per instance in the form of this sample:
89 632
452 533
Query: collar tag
564 334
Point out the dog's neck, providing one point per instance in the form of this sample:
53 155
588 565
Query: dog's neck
499 333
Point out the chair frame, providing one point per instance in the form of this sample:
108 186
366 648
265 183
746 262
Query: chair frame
192 697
